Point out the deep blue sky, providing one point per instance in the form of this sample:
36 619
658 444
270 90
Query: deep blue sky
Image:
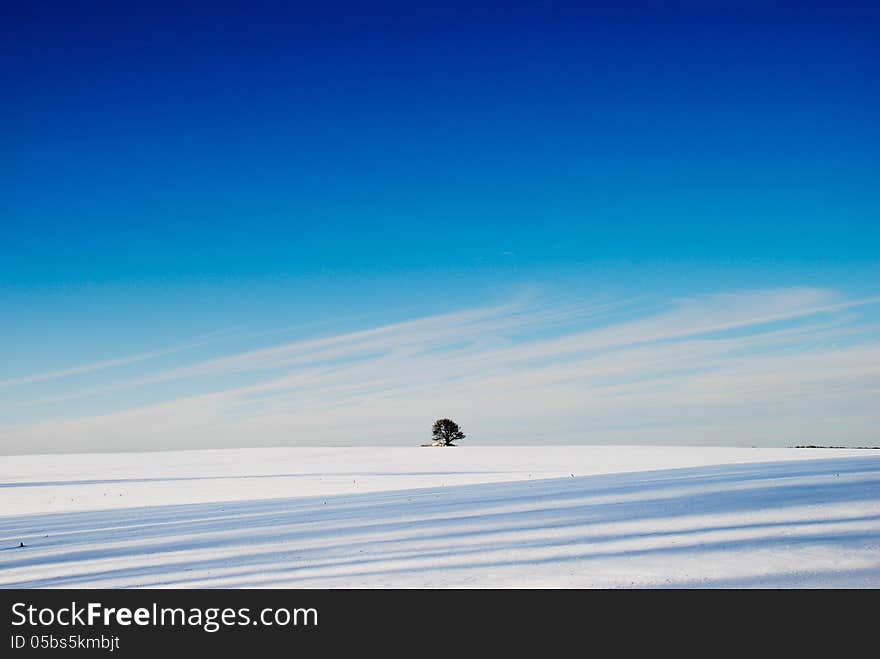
173 170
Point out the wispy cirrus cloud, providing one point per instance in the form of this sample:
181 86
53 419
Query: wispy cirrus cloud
776 367
106 364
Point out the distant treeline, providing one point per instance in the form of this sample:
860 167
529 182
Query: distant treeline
814 446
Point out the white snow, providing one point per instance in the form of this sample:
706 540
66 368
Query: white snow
510 517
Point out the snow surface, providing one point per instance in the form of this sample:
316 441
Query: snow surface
510 517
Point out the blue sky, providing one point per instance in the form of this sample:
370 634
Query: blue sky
182 186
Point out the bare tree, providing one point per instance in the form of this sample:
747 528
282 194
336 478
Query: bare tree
446 431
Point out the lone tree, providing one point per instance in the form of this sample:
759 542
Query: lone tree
446 431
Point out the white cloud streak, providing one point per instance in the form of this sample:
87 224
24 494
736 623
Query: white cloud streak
766 367
84 369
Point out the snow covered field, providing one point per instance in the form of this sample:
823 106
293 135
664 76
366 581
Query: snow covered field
574 516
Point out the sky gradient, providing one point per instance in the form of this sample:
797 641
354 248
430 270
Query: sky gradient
276 224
